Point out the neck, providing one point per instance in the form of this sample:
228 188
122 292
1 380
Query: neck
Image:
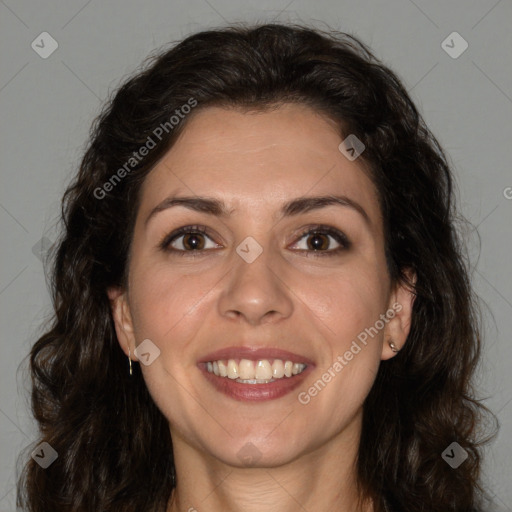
321 479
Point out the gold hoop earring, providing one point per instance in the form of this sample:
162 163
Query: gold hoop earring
393 347
130 360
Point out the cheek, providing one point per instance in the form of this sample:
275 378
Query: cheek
163 298
169 307
346 307
345 303
349 309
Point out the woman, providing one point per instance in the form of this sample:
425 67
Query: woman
261 300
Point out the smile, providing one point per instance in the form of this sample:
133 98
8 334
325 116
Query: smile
249 371
250 374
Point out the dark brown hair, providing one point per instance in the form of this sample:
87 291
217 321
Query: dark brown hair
114 445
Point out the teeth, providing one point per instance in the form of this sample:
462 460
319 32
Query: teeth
263 370
223 369
278 369
254 381
232 369
296 368
255 372
246 369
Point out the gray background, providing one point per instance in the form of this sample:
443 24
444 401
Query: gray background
47 106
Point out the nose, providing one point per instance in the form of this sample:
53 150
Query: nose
256 292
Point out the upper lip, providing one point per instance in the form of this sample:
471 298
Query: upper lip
255 354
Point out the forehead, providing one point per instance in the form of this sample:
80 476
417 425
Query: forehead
259 159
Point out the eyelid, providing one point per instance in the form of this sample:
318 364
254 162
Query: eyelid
179 232
335 233
323 229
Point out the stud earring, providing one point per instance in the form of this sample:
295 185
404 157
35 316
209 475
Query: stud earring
393 347
130 360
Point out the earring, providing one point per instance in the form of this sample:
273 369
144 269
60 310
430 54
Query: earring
393 347
130 360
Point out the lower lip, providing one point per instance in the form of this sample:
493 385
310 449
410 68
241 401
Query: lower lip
255 392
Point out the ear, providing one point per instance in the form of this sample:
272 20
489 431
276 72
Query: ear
397 329
122 320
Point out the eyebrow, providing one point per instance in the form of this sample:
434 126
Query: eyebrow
218 208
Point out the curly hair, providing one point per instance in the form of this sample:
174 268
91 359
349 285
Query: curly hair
114 444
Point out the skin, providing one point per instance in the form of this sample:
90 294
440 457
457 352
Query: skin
287 298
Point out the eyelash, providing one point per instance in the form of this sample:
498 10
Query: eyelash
340 237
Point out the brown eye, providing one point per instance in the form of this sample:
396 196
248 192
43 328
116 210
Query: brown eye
318 241
188 239
193 241
322 241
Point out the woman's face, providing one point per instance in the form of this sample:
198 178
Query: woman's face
254 280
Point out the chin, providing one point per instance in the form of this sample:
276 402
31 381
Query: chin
260 451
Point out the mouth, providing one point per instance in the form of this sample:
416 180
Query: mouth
247 374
